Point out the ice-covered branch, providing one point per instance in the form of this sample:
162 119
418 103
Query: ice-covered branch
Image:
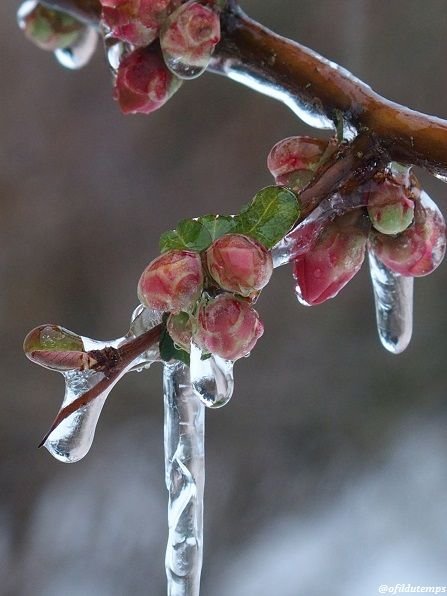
317 89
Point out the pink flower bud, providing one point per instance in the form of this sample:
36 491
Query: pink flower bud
390 202
47 28
333 260
144 83
136 21
239 264
294 160
420 248
228 327
180 329
189 37
172 282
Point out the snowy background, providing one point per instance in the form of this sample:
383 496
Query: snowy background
327 472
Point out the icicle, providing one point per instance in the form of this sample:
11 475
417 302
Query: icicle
393 296
79 54
185 477
72 439
211 378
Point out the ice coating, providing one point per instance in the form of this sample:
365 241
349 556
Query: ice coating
302 237
71 440
393 298
211 378
184 441
79 53
73 437
188 38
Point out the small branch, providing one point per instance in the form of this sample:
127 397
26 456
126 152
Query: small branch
122 357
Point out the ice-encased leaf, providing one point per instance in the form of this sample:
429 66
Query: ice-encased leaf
218 225
269 216
188 235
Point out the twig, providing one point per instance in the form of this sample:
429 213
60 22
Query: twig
123 356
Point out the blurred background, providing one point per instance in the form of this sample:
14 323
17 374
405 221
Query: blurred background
326 473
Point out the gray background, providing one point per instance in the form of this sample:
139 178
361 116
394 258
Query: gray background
326 474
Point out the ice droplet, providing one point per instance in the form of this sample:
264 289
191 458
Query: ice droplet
115 50
182 69
212 379
79 53
393 297
72 439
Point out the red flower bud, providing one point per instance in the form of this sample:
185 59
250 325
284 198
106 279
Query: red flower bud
144 83
293 161
180 329
189 37
420 248
136 21
333 260
172 282
228 327
239 264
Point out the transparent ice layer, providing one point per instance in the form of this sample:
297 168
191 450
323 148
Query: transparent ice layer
211 378
73 437
185 478
393 297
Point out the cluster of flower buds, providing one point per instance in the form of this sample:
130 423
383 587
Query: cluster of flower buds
150 72
209 294
389 214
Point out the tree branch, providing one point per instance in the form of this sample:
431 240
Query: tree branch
294 71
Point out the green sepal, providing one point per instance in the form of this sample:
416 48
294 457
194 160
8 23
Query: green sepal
190 234
269 216
169 351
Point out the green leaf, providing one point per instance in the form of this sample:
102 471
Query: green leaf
269 216
168 350
218 225
189 235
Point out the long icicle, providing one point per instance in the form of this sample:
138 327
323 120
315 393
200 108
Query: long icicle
185 478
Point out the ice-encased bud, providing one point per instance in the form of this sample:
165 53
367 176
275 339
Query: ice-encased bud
180 329
239 264
56 348
390 200
172 282
333 260
188 38
49 29
144 83
420 248
79 53
293 161
228 327
135 21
